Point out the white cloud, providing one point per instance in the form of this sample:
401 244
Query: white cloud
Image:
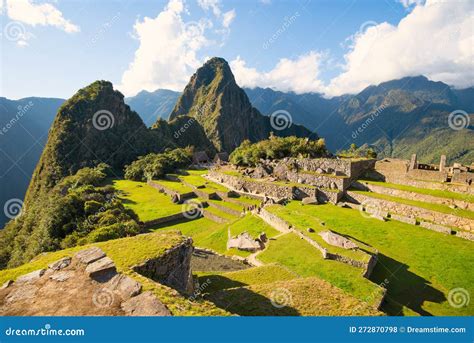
213 5
168 52
434 39
27 12
409 3
228 18
299 75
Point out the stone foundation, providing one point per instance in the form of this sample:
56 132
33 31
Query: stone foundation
416 212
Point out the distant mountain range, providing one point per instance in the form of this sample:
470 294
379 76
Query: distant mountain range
397 118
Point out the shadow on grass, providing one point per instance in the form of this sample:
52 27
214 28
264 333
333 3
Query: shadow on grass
404 288
245 302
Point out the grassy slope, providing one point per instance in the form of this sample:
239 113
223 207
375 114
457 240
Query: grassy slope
304 260
145 200
429 206
127 252
302 296
300 220
432 192
174 186
420 265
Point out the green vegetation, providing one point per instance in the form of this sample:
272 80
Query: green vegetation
253 225
355 152
157 165
421 266
429 206
248 154
251 276
81 209
145 200
299 297
126 253
300 218
305 260
432 192
174 186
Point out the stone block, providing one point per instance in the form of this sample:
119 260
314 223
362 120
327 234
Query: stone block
124 285
31 277
337 240
90 255
62 276
60 264
404 219
436 227
145 304
100 267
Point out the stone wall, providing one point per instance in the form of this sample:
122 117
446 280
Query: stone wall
274 221
427 175
173 268
162 220
415 196
181 196
416 212
247 185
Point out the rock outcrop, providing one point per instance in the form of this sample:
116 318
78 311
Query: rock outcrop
337 240
86 284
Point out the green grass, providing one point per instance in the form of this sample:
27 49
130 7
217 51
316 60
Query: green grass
248 200
174 186
220 213
432 192
195 178
298 217
253 225
310 172
230 205
421 266
429 206
126 253
306 261
145 200
251 276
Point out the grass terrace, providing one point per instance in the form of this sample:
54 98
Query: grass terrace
147 202
421 266
432 192
301 220
174 186
303 259
126 253
429 206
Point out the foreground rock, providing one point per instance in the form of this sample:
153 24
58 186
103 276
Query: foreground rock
337 240
86 284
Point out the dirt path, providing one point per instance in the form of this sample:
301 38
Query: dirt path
252 259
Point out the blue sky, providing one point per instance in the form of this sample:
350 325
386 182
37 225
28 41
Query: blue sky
296 45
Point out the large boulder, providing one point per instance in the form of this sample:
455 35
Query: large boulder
145 304
244 242
90 255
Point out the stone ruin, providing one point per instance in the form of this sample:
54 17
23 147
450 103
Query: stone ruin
338 240
85 284
246 242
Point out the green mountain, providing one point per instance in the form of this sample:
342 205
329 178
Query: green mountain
224 111
24 126
153 105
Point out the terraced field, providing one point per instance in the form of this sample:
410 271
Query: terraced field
421 266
